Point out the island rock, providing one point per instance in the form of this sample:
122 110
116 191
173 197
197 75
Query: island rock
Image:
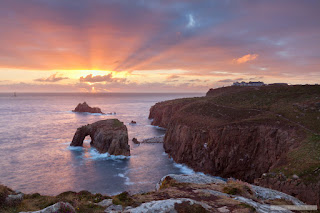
84 107
109 135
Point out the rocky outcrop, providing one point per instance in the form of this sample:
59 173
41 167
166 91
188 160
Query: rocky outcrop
84 107
109 135
58 207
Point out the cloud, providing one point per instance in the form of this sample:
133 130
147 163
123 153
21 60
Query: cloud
52 78
101 78
230 80
246 58
171 77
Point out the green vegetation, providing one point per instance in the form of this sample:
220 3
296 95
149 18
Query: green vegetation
187 207
117 123
238 188
123 199
83 202
304 161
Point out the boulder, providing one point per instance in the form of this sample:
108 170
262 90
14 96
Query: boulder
109 135
133 122
84 107
58 207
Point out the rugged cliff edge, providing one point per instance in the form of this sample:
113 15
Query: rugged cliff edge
246 133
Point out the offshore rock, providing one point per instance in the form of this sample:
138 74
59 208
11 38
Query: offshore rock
109 135
84 107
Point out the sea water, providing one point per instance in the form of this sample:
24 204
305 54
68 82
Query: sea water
36 130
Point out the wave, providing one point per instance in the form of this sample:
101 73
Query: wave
157 127
184 169
76 148
95 155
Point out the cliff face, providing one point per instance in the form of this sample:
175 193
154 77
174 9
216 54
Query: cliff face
240 151
247 133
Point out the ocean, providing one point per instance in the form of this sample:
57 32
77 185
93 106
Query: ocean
36 130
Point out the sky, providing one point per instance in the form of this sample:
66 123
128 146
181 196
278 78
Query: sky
156 45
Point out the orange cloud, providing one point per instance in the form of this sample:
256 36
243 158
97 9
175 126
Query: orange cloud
246 58
52 78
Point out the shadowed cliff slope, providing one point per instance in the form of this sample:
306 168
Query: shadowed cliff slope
244 132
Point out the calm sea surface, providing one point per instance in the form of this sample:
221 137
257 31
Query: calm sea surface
36 130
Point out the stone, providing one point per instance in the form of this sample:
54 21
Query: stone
164 205
193 178
109 135
223 209
58 207
84 107
105 203
295 176
113 209
133 122
134 140
14 199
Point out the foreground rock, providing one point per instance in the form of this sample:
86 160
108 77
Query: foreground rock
84 107
175 193
55 208
109 135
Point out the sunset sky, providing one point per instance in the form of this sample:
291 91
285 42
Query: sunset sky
156 46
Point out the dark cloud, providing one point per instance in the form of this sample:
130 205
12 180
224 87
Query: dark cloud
230 80
52 78
101 78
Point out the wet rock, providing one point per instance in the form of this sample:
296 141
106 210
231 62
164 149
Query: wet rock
109 135
84 107
58 207
133 122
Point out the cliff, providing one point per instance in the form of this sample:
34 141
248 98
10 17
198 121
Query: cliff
247 132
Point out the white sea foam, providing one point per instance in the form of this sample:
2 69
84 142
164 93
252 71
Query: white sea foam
184 169
164 153
127 179
157 127
95 155
76 148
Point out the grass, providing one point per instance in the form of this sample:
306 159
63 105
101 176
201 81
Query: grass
83 202
117 123
123 199
236 187
304 161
